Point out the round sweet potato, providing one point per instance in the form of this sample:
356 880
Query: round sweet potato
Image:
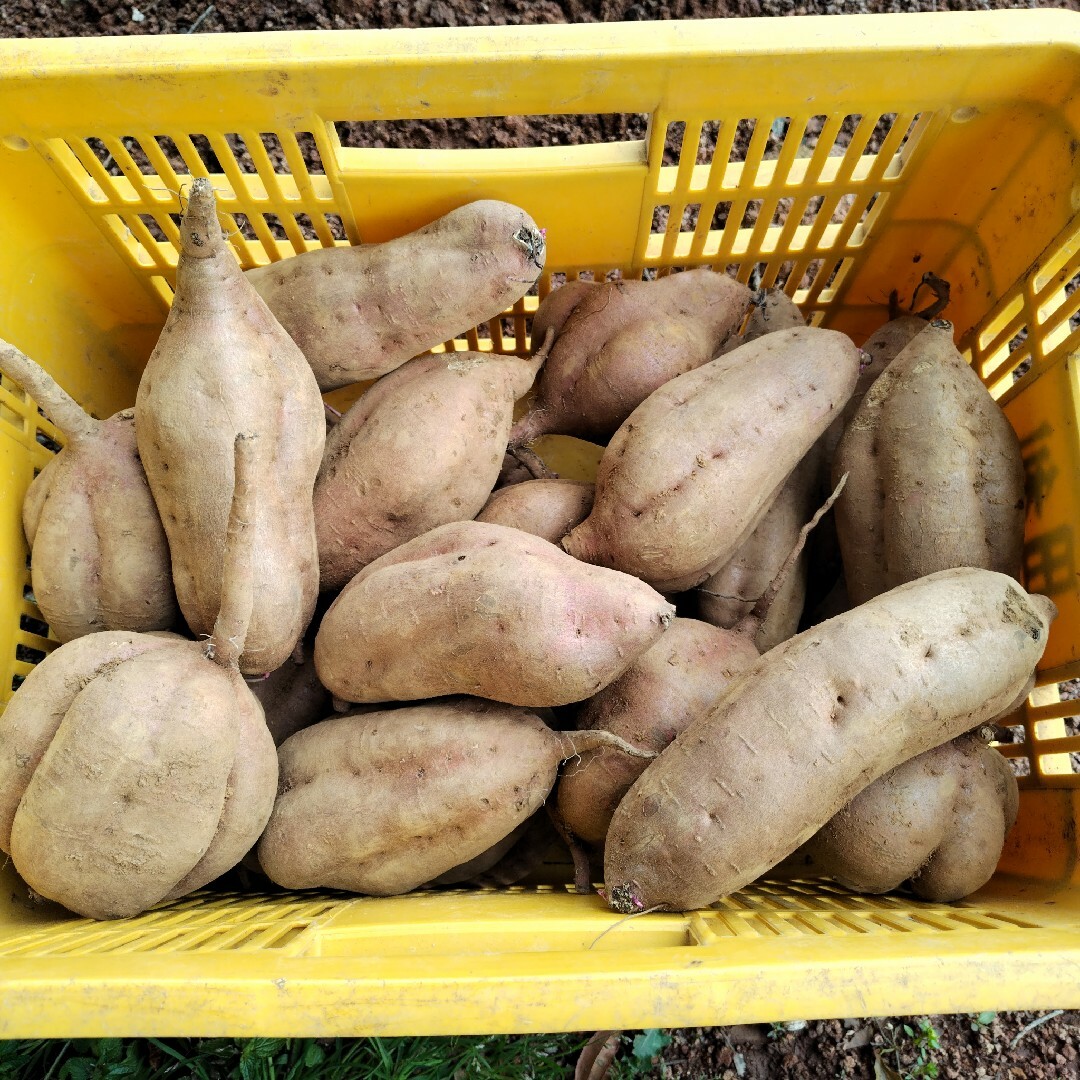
138 767
99 555
292 696
730 594
771 310
223 363
936 476
421 448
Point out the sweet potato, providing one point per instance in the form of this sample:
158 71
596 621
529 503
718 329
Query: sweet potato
486 610
523 854
936 474
481 864
386 801
546 508
623 340
879 349
512 472
811 724
37 493
883 346
731 592
99 556
359 312
770 310
222 363
939 820
669 686
556 308
696 466
666 689
137 767
292 696
421 448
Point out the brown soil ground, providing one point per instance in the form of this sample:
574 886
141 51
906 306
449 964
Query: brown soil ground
855 1049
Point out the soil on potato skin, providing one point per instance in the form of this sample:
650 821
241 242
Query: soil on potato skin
821 1049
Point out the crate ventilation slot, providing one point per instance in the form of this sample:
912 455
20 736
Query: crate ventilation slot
194 925
273 193
788 200
1044 750
294 926
1033 325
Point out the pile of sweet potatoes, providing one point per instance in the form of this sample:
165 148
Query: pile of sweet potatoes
466 660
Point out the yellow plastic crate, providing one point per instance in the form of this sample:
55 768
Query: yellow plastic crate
881 147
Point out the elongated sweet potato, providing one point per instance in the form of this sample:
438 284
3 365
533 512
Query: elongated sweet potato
936 474
879 350
353 316
486 610
811 724
222 363
421 448
732 591
386 801
99 556
939 820
883 346
669 686
137 767
623 340
696 466
546 508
